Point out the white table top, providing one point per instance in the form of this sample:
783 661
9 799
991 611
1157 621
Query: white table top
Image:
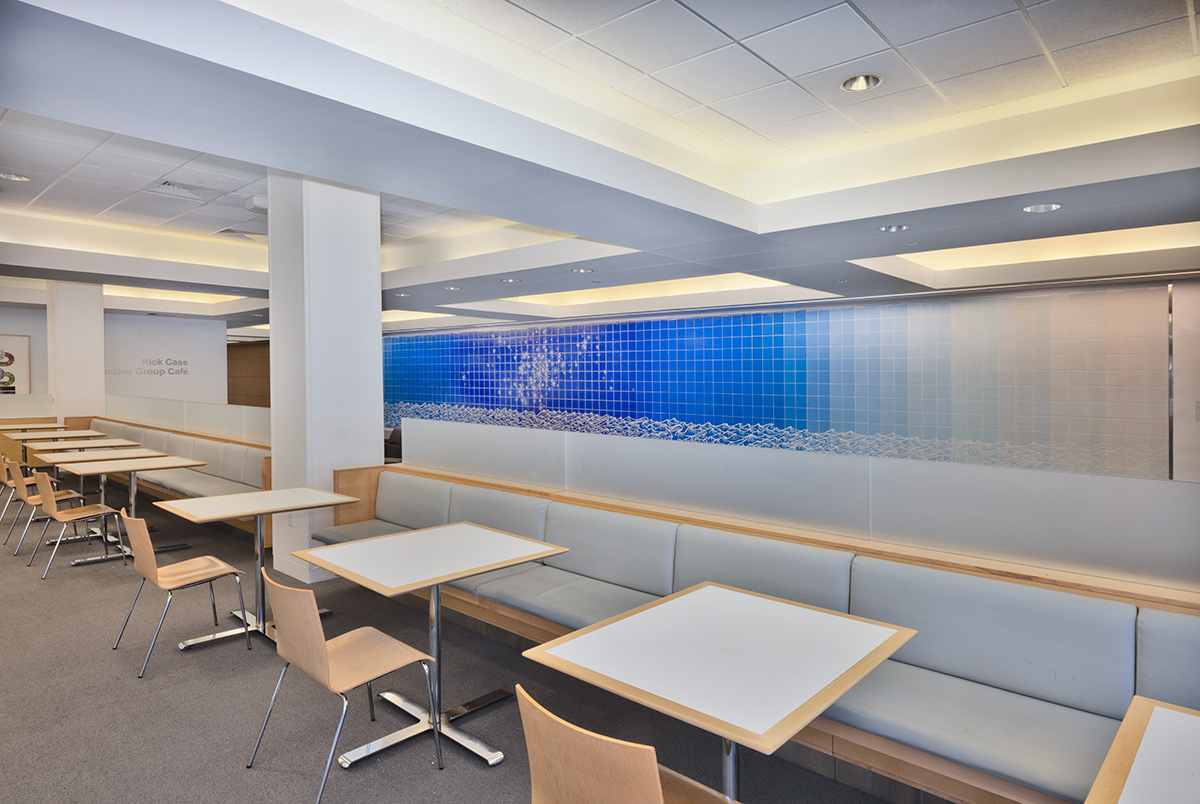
1154 757
751 668
404 562
94 443
252 503
98 455
89 468
19 426
51 435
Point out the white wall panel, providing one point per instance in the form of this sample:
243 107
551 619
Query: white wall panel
804 489
1129 528
165 358
1186 368
511 453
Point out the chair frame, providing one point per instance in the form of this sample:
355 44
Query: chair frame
28 499
146 565
310 650
50 507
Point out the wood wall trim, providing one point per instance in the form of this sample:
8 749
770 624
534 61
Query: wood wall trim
362 482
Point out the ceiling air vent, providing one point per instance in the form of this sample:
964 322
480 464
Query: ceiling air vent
193 192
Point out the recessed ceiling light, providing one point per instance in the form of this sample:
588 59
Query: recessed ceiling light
511 281
842 281
403 294
581 270
860 83
13 177
892 228
1038 208
257 315
451 287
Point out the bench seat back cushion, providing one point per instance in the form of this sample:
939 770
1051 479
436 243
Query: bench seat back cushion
1168 657
154 439
805 574
512 513
252 469
414 502
632 551
1064 648
210 452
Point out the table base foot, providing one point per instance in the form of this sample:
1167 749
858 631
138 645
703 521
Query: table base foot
468 741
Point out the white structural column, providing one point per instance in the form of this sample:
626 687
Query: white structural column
326 346
75 348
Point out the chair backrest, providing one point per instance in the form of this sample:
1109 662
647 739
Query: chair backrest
46 492
299 635
6 472
18 481
143 549
570 765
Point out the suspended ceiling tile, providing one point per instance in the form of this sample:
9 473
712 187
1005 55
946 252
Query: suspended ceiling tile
902 109
710 122
1021 79
113 178
511 22
34 126
579 16
772 104
902 23
656 36
825 85
189 174
985 44
811 130
144 149
18 194
155 204
829 37
43 150
100 191
1116 55
591 61
748 17
228 167
1065 23
657 95
755 144
719 74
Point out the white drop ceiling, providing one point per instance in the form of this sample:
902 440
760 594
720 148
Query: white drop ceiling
525 149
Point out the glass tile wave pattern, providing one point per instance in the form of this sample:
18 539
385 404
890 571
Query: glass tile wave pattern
1062 380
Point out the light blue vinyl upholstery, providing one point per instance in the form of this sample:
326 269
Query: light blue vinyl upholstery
402 502
1168 657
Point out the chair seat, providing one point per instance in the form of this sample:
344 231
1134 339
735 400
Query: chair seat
193 570
81 512
679 789
59 496
365 654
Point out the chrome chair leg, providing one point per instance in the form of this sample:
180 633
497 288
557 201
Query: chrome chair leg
53 552
127 616
212 596
12 495
37 545
371 701
274 695
333 748
435 718
16 516
156 630
28 522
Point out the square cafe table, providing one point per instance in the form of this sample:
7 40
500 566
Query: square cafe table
20 427
255 504
750 668
93 443
418 559
1154 759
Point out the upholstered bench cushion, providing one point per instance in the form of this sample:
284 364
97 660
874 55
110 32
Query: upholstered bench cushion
561 596
353 531
512 513
1168 657
414 502
1052 748
191 483
630 551
1068 649
813 575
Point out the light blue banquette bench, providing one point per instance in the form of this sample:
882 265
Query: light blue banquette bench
1009 691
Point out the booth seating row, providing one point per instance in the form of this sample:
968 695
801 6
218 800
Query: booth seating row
229 468
1009 692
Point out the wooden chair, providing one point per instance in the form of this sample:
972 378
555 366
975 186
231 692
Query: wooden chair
26 490
339 664
12 490
173 577
68 516
570 765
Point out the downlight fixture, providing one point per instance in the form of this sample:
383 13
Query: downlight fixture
13 177
893 228
1037 209
864 82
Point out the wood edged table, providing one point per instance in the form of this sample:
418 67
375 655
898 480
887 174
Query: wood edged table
425 559
255 504
20 427
1154 759
86 455
49 435
750 668
93 443
131 466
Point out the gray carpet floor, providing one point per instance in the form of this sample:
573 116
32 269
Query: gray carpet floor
79 726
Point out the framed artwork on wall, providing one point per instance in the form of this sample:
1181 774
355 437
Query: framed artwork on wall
14 364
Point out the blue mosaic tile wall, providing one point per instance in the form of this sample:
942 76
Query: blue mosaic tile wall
1067 381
